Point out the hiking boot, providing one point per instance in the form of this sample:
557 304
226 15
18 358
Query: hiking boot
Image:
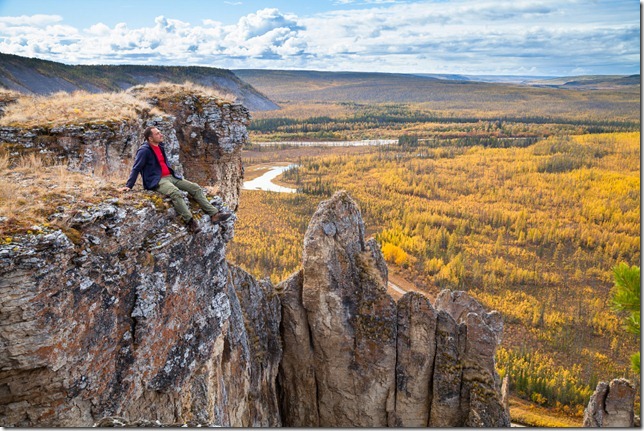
193 226
220 217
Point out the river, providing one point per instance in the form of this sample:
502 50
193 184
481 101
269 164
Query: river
265 182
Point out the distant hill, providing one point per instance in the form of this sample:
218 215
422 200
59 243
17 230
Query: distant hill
450 92
301 85
509 79
589 81
30 75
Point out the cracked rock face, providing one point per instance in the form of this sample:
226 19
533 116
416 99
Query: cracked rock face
355 358
137 319
211 135
416 351
353 320
612 405
298 394
125 315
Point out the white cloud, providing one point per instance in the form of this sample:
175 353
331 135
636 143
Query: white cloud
468 37
99 29
460 36
31 21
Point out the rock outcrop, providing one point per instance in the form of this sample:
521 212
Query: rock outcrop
296 378
203 138
416 349
122 312
352 317
137 319
612 405
211 134
133 318
364 361
480 382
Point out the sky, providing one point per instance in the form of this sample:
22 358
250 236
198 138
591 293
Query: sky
482 37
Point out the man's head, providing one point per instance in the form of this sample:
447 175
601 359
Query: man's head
152 135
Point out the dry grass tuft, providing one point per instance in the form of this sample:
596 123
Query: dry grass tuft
8 96
79 107
532 415
34 187
31 161
4 162
170 90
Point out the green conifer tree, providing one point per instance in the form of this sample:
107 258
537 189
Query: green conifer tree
626 298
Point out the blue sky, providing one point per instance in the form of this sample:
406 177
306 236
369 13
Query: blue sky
500 37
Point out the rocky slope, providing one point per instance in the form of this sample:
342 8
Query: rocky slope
117 312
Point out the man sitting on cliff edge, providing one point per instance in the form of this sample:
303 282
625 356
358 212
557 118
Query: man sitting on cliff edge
151 163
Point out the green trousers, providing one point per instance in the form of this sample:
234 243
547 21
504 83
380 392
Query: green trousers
170 186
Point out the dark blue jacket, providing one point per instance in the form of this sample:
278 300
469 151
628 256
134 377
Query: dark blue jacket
148 166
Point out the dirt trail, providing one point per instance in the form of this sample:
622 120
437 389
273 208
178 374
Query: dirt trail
397 286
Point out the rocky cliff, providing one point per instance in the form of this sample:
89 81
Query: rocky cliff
116 311
136 319
354 358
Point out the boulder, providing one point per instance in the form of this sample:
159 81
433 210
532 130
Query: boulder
611 405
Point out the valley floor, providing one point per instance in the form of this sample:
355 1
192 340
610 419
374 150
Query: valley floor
537 340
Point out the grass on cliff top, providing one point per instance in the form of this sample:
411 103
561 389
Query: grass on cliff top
79 107
82 107
8 96
38 192
32 188
166 90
